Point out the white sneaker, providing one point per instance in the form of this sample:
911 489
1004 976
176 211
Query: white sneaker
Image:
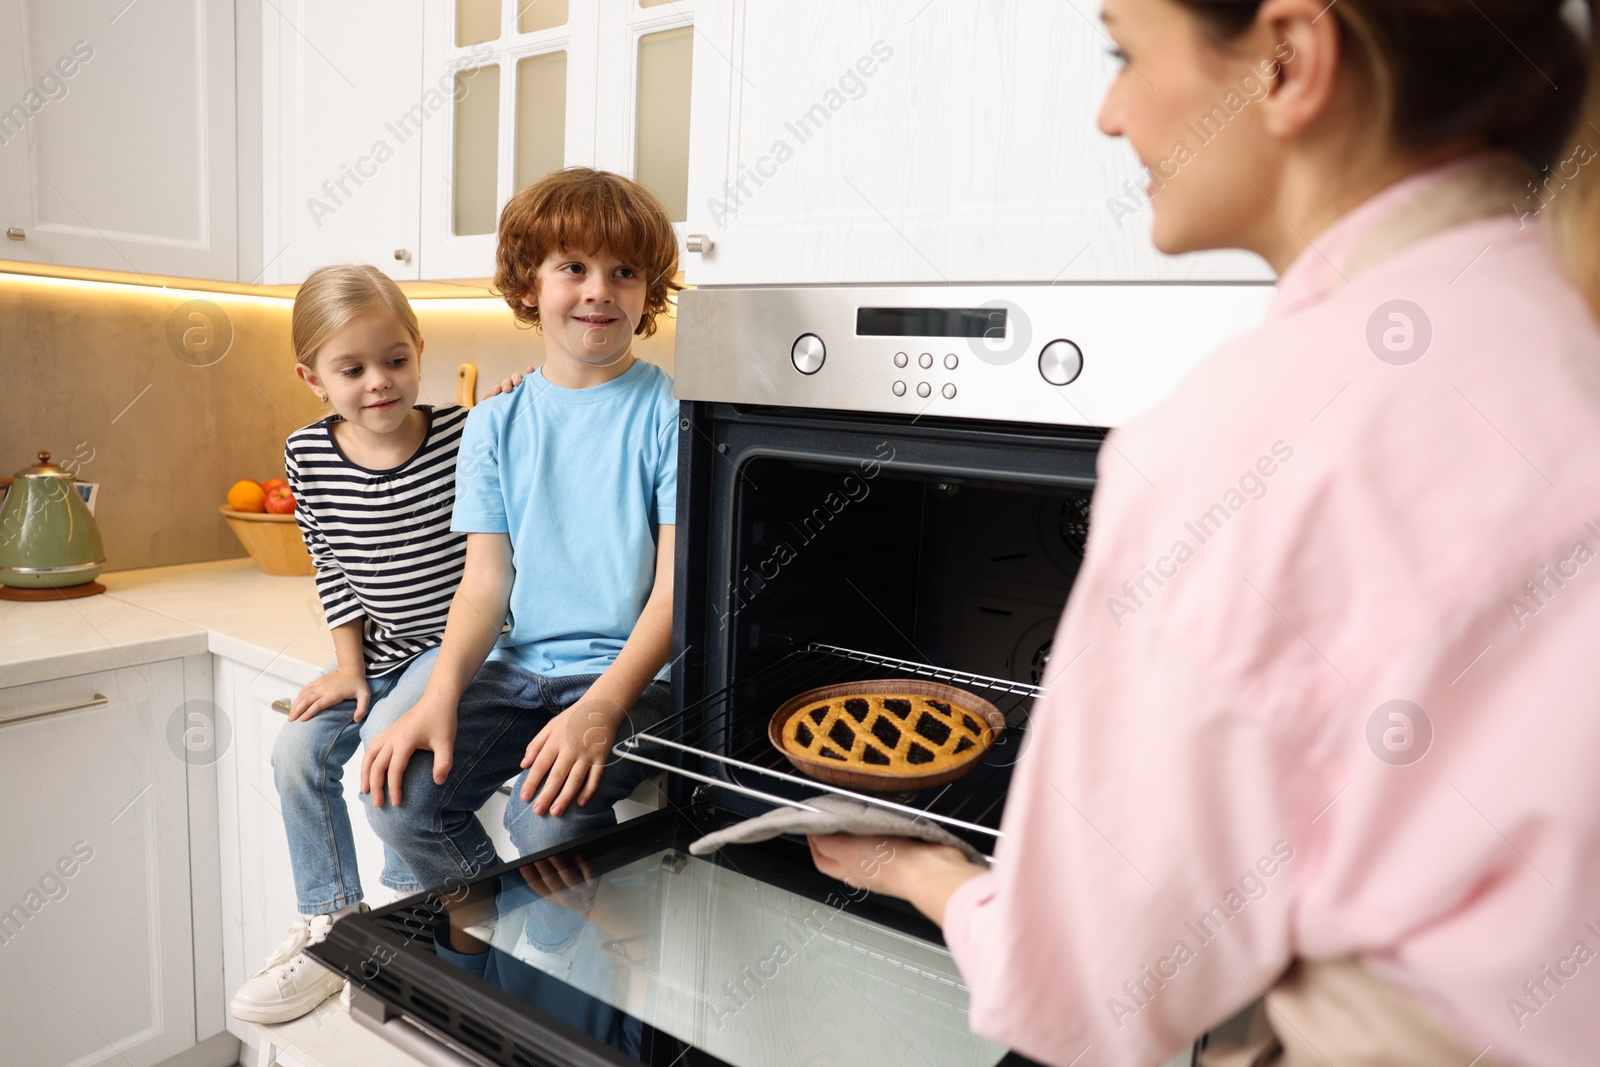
290 983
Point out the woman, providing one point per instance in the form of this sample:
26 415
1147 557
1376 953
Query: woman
1322 720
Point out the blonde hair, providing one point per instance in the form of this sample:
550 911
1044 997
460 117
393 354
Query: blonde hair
331 296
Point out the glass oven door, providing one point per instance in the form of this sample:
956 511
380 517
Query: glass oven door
626 949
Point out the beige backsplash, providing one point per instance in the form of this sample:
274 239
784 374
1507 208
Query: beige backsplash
87 373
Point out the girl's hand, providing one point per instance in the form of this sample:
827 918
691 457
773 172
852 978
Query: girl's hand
330 689
509 384
570 754
431 725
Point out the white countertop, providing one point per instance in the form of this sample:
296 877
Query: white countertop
227 607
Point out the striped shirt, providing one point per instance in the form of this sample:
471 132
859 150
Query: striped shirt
381 540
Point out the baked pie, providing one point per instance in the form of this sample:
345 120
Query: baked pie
888 733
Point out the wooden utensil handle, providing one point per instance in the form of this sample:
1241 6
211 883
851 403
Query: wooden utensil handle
466 385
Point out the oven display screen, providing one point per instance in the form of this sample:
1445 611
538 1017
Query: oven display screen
931 322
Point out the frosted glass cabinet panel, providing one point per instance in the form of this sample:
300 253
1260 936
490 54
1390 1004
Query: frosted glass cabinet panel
477 150
477 21
539 15
543 85
541 115
661 159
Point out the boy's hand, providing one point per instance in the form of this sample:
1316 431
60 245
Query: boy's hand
509 384
431 725
570 753
330 689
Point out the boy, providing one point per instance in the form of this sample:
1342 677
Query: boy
566 489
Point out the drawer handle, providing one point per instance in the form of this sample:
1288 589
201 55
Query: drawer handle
16 233
100 700
282 706
699 243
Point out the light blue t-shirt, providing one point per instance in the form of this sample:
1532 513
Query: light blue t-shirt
579 479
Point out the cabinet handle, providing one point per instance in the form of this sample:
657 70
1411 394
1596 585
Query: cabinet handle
699 242
282 707
100 700
403 255
16 233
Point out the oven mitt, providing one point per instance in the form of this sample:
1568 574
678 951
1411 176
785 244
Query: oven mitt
834 815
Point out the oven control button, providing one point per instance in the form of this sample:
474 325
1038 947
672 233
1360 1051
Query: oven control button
951 362
899 388
923 389
808 353
900 359
949 391
925 360
1061 362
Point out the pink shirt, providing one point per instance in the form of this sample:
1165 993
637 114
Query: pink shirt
1217 781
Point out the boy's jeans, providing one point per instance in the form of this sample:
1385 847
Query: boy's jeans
308 763
435 829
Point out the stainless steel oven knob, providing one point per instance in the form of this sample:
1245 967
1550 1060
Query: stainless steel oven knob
808 353
1061 362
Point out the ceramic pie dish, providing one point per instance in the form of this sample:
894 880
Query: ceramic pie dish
887 735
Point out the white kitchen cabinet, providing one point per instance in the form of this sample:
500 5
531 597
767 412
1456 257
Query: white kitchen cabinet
257 881
874 141
97 961
343 109
258 900
117 135
536 87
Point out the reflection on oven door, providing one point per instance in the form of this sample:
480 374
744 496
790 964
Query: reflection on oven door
746 971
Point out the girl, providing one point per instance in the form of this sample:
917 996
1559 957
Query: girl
1346 757
374 484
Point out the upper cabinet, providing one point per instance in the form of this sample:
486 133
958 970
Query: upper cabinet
876 141
117 135
344 111
534 87
516 81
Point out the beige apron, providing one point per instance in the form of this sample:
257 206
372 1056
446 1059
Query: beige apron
1336 1013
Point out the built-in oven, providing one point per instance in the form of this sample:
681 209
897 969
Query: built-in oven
873 483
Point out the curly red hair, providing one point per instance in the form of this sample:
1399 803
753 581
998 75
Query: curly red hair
585 210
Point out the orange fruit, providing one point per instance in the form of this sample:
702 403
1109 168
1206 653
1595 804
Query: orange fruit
247 496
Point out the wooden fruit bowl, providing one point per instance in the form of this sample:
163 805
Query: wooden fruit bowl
273 541
861 778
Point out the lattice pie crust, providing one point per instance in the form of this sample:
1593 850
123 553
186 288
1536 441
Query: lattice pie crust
890 733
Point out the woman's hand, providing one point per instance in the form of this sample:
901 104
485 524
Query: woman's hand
431 725
330 689
917 871
569 755
509 384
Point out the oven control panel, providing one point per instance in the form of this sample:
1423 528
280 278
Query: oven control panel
1090 355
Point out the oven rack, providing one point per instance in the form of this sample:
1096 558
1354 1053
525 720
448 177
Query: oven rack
721 740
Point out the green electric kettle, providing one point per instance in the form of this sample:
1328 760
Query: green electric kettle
48 540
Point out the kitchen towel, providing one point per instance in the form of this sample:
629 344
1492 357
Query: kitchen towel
834 815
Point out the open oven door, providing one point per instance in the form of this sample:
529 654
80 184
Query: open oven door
623 948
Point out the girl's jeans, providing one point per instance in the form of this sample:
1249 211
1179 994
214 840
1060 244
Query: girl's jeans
308 765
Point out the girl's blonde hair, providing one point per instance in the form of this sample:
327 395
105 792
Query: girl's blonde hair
332 296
